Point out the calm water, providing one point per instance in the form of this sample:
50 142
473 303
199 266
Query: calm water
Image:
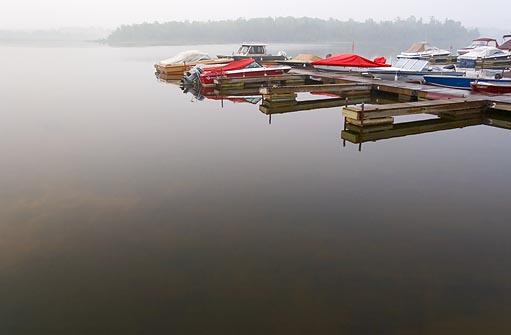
127 207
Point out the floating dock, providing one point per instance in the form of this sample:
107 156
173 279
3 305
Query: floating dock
369 105
413 98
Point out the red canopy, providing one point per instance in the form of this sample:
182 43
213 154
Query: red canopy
351 60
235 65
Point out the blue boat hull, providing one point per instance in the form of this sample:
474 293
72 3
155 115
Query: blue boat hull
457 82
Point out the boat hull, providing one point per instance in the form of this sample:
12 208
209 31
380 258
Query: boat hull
181 68
208 79
457 82
491 87
409 76
337 68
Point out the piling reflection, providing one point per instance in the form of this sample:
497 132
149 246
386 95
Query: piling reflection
361 134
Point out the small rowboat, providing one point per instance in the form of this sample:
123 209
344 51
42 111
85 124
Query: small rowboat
494 87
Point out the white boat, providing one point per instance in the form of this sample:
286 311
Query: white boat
412 70
257 51
423 50
469 59
479 42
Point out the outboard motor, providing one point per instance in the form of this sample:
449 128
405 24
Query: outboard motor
283 54
192 77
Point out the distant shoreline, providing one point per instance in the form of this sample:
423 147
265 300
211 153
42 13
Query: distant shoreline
292 30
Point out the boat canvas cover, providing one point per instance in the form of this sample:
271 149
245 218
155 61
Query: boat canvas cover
484 52
507 43
417 47
306 58
236 65
351 60
186 57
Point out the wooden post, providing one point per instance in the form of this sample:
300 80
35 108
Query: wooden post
362 115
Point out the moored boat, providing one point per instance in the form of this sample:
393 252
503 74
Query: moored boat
486 53
256 51
301 60
460 82
506 45
412 70
184 61
423 50
348 63
495 87
247 67
479 42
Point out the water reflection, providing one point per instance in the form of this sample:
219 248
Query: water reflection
289 103
130 210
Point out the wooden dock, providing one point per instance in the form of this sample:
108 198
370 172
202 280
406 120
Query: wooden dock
363 113
240 83
279 96
364 88
271 107
359 135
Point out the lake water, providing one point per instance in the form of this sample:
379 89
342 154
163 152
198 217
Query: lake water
128 207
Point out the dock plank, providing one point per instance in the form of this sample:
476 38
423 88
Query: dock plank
360 112
251 80
326 88
356 135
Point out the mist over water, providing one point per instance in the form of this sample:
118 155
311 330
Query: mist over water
128 207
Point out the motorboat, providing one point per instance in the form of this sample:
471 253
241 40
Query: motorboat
256 51
506 44
496 87
412 70
300 60
184 61
423 50
349 63
242 68
463 82
479 42
469 59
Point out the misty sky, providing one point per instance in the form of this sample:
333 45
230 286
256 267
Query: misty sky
39 14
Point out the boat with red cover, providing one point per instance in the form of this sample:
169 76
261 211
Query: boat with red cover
349 63
494 87
247 67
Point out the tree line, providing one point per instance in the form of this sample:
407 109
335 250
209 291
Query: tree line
293 30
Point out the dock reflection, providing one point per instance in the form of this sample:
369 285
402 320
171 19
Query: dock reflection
358 135
284 103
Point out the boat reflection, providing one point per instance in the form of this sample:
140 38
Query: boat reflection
250 96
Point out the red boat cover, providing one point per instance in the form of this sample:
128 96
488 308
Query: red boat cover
351 60
236 65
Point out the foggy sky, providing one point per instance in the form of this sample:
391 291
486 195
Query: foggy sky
38 14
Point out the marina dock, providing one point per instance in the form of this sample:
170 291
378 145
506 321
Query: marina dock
370 106
411 98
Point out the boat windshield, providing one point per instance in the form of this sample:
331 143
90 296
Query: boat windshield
253 65
257 50
411 64
252 50
243 50
476 44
